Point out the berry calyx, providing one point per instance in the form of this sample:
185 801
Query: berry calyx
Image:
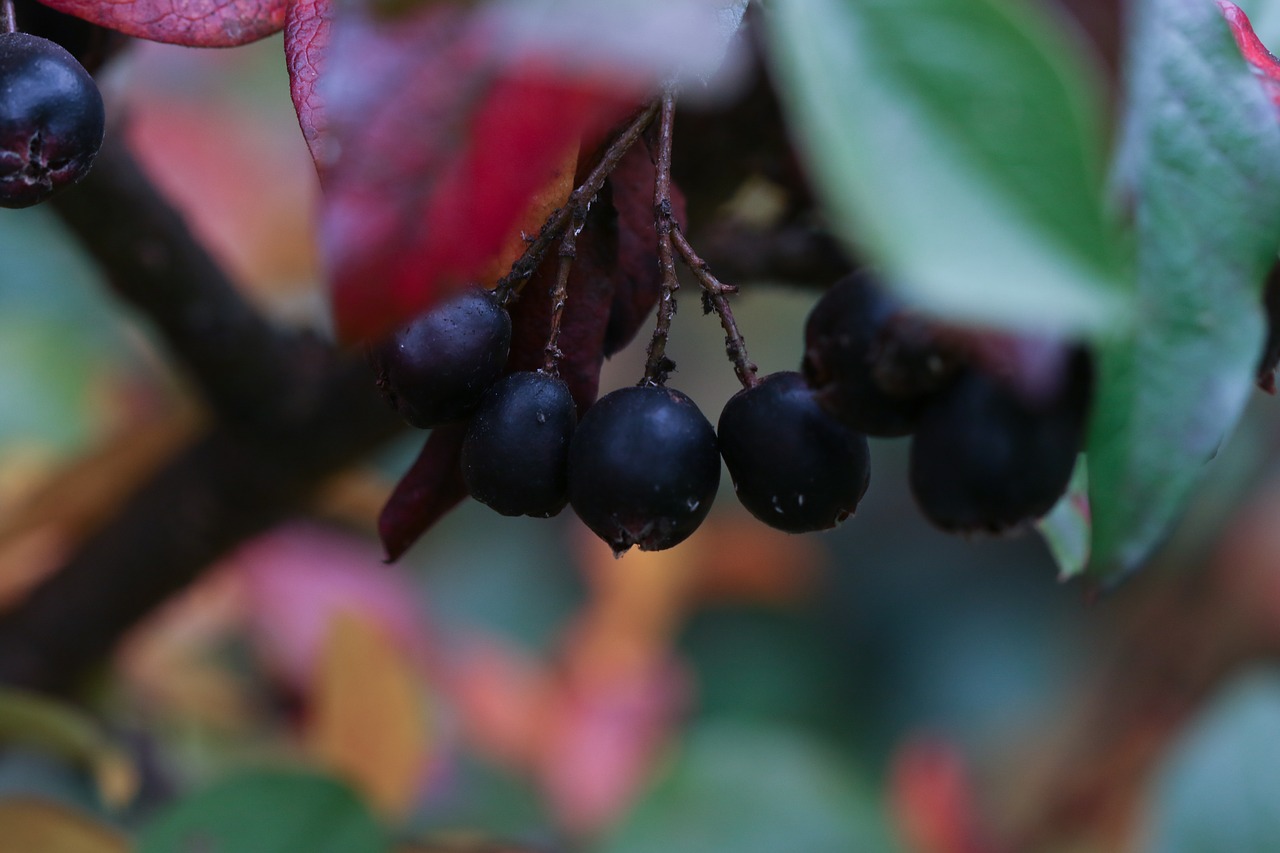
51 120
516 454
873 364
643 468
794 466
435 370
988 457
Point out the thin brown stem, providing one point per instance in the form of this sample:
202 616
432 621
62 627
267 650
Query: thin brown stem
575 209
560 297
658 367
716 294
8 20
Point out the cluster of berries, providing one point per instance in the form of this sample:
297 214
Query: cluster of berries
643 466
51 119
997 422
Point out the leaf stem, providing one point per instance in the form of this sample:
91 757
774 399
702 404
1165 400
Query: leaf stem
575 209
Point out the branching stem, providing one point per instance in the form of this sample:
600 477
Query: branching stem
716 293
673 243
575 209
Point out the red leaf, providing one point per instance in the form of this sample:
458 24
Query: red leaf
439 145
931 795
306 39
195 23
431 488
1264 62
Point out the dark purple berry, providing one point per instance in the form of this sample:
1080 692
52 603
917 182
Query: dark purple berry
643 468
51 120
988 457
515 458
435 370
794 466
872 363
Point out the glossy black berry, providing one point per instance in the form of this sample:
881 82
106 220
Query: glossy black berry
515 458
987 458
435 370
51 120
794 466
643 468
872 363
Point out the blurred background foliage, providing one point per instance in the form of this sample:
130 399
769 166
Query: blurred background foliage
880 687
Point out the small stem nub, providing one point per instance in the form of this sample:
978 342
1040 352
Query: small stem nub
8 19
560 297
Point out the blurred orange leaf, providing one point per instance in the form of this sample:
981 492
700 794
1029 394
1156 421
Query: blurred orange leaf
369 714
556 191
33 826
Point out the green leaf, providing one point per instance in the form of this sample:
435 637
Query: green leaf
1200 166
1066 528
960 144
1220 788
753 790
267 812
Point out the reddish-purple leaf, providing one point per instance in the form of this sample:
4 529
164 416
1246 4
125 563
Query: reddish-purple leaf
437 145
1264 62
195 23
431 488
306 40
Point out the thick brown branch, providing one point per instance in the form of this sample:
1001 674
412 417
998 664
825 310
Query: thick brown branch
290 412
213 495
242 365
